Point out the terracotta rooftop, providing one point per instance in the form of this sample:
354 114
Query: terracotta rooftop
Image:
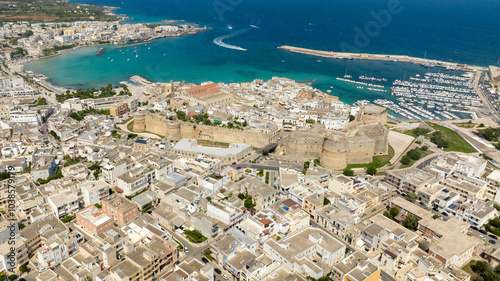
201 88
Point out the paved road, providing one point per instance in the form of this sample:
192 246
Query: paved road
426 160
256 166
487 98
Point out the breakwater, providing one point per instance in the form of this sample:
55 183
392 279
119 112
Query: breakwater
382 57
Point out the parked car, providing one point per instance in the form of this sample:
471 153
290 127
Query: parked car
492 242
483 231
225 276
204 260
186 249
481 236
475 228
493 236
218 271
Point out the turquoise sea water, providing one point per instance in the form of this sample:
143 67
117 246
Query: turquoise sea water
465 31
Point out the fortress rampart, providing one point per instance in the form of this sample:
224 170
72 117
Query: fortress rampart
176 130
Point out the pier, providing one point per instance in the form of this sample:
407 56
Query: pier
100 51
380 57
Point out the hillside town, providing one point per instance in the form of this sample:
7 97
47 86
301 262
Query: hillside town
43 39
266 180
262 180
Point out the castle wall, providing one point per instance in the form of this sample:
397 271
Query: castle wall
360 150
334 155
308 147
375 115
381 143
176 130
139 123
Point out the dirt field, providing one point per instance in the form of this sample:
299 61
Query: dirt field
399 142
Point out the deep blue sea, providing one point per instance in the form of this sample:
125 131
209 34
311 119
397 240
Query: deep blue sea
465 31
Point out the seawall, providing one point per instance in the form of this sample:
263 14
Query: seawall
381 57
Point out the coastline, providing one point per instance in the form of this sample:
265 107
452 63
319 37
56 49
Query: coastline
125 45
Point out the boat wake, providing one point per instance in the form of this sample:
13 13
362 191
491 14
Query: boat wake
219 40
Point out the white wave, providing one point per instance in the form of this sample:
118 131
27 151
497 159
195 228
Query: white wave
218 41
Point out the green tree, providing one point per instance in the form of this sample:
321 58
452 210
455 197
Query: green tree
412 197
484 272
326 201
414 154
348 172
4 176
12 277
195 236
21 225
405 160
420 131
411 222
249 204
265 152
67 219
75 116
371 169
394 212
41 101
27 33
23 268
490 134
54 134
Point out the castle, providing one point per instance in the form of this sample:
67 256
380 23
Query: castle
357 143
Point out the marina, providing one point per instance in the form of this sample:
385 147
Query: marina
434 96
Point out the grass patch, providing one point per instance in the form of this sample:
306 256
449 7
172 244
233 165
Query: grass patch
382 160
379 161
354 166
130 126
468 268
179 245
422 155
465 125
455 141
138 193
409 133
195 236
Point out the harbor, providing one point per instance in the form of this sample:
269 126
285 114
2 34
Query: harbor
382 57
440 94
432 96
